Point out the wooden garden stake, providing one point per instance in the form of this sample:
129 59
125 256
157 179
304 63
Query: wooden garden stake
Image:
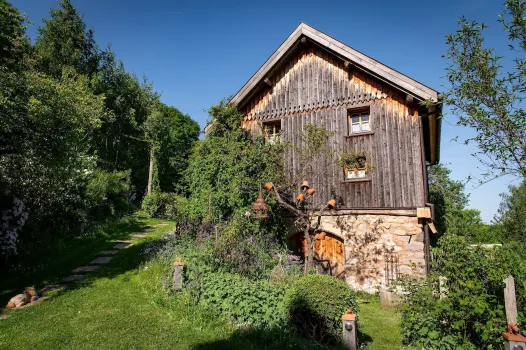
349 330
178 274
514 340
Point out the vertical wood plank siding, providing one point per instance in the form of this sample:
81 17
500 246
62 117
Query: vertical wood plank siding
315 88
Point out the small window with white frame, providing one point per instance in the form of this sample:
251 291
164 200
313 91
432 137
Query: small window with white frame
359 121
272 131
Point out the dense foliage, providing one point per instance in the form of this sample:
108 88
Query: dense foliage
75 139
244 295
471 314
227 167
259 303
451 212
512 213
315 305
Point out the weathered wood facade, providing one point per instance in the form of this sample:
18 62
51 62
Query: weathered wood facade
316 88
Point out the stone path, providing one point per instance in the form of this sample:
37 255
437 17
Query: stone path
103 258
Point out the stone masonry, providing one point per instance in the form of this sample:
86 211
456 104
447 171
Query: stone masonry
368 238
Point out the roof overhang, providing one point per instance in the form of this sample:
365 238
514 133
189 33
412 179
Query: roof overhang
346 53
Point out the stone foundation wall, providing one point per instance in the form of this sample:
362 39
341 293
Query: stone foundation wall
368 238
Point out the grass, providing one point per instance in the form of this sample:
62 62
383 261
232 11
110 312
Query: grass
380 326
122 306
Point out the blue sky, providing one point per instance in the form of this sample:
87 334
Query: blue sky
197 52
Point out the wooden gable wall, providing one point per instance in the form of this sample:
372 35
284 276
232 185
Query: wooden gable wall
314 87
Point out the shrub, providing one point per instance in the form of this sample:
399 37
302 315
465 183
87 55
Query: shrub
107 194
160 205
315 305
258 303
473 312
250 256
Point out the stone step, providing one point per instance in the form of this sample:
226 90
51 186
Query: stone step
50 288
101 260
122 245
163 224
107 252
73 278
85 269
139 236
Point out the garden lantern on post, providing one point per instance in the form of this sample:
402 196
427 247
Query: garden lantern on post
260 207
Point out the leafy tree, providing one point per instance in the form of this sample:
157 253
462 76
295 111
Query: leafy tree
50 169
227 167
172 135
512 213
313 148
121 143
451 213
449 199
487 97
14 43
14 48
64 41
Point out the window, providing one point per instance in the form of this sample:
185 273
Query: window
359 121
272 131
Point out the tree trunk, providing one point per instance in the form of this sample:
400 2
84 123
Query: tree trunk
150 172
309 259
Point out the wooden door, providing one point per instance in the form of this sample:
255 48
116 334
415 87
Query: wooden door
328 253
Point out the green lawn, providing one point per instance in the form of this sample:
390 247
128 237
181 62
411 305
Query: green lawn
380 326
122 306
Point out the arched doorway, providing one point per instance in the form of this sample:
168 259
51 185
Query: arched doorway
329 252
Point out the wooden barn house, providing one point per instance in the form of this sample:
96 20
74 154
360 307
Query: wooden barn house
383 221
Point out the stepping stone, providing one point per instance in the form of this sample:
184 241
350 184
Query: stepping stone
125 241
163 224
3 317
51 288
107 252
138 236
150 229
102 260
73 278
85 269
122 245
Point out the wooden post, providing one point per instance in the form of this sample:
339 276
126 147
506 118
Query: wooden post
178 274
510 301
349 330
514 340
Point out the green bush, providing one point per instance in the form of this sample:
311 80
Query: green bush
160 205
107 194
258 303
315 305
472 314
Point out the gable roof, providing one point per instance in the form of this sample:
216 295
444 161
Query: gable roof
364 62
